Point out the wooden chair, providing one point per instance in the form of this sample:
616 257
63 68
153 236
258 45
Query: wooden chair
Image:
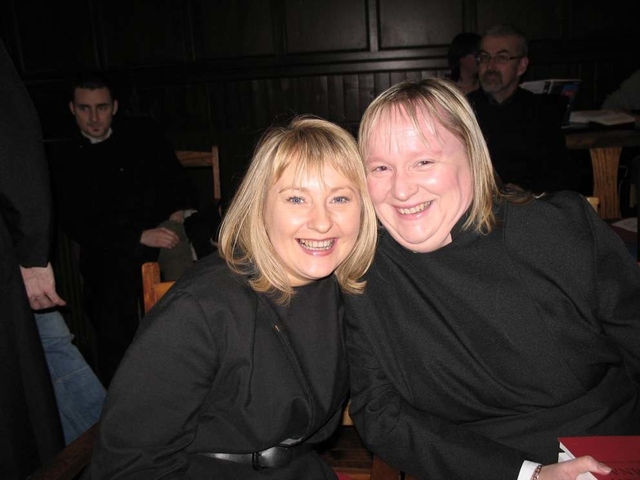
193 159
152 288
594 202
70 461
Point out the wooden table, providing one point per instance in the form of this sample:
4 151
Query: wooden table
604 147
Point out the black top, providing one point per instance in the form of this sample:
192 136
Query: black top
525 140
30 431
468 360
109 192
217 367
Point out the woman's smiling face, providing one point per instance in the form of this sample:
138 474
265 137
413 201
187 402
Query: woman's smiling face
313 222
420 181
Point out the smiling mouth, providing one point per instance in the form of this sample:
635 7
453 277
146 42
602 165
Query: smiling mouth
416 209
316 245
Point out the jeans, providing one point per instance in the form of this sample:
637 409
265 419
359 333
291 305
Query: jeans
78 391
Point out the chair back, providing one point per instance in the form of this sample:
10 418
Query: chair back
152 287
594 202
194 159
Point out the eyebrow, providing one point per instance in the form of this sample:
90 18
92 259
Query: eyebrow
504 50
90 104
306 190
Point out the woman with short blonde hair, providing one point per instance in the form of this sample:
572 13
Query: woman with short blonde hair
241 367
493 322
434 100
308 144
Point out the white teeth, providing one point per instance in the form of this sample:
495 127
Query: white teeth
416 209
316 244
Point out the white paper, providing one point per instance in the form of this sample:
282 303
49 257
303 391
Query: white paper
604 117
630 224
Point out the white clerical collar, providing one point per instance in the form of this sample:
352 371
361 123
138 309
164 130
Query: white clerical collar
95 140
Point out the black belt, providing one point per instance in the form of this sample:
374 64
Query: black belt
274 457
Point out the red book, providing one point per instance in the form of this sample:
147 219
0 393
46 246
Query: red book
621 453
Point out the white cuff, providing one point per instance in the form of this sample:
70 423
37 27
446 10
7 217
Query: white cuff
526 470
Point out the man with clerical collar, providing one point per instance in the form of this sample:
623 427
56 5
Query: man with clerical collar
121 196
93 109
523 130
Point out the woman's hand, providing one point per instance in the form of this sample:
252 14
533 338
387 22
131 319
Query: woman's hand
570 469
40 284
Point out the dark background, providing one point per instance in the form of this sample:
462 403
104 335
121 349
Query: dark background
221 71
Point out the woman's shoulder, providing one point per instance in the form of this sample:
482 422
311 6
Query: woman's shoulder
211 280
562 204
554 215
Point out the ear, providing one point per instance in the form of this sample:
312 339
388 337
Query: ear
115 107
72 109
523 63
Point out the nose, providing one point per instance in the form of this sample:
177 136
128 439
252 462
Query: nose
94 115
404 187
320 219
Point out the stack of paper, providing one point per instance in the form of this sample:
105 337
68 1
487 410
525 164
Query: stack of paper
603 117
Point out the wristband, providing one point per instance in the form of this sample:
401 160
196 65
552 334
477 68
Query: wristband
536 473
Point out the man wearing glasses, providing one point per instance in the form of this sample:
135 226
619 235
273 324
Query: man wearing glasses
523 131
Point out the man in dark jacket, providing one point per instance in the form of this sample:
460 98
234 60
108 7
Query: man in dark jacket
120 186
523 130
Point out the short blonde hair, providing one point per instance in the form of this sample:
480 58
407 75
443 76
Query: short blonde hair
439 100
308 144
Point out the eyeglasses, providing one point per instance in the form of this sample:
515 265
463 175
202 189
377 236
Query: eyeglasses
500 58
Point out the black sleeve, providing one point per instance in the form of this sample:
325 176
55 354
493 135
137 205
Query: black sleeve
618 287
415 441
25 202
152 409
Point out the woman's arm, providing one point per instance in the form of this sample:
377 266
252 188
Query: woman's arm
618 291
153 404
415 441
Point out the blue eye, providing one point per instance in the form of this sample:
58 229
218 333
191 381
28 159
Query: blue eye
342 199
295 200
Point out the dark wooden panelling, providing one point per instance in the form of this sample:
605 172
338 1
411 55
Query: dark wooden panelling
416 23
538 20
221 71
183 111
336 99
234 28
144 32
54 38
260 103
351 98
289 88
208 69
325 25
367 91
599 19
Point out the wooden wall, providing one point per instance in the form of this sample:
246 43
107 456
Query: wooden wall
222 70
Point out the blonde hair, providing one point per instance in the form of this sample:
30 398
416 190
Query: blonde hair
308 145
439 100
